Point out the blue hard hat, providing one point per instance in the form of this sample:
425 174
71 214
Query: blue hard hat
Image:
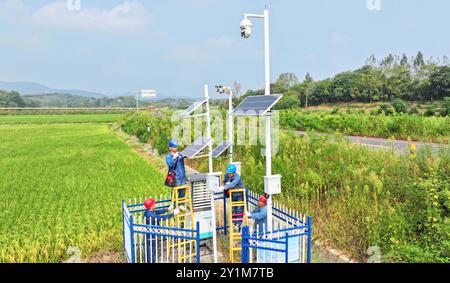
173 143
231 169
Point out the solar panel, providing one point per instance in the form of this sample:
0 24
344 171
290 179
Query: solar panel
195 148
256 105
192 108
221 148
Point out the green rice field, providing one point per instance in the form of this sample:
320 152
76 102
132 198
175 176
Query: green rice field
62 185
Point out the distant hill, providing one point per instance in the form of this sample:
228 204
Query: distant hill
29 88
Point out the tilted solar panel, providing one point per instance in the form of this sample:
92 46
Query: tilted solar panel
221 148
257 105
192 108
195 148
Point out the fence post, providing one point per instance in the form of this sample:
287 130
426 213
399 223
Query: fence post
245 246
225 214
123 227
197 241
132 239
309 239
286 256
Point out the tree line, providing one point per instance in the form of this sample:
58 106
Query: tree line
378 80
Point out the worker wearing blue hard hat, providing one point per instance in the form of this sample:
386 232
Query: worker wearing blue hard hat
232 179
177 170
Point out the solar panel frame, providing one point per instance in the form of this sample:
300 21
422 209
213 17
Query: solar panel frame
195 148
257 105
221 148
193 107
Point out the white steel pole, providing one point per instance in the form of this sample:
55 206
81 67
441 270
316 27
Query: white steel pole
230 124
213 206
268 130
266 52
208 130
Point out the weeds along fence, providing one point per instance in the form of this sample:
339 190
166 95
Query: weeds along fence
289 241
166 241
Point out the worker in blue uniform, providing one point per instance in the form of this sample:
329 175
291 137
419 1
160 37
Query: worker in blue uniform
175 162
233 180
259 215
153 217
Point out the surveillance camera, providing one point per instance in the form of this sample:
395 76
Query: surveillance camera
223 89
246 28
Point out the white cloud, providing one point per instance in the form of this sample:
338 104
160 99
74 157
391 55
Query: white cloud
204 52
127 16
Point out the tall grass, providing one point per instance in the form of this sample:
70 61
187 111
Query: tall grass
358 197
400 126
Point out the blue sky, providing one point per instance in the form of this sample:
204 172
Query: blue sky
177 46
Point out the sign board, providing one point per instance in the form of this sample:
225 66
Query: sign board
267 256
205 220
148 93
294 250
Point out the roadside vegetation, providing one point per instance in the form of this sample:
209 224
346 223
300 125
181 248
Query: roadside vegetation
372 123
359 198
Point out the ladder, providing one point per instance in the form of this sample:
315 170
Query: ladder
185 219
237 218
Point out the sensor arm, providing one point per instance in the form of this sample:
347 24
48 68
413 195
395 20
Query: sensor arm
246 16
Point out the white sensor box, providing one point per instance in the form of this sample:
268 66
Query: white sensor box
272 184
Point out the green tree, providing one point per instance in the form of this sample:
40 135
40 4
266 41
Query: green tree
439 83
309 84
284 82
11 99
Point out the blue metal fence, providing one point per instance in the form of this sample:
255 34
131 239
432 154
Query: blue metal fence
289 241
163 243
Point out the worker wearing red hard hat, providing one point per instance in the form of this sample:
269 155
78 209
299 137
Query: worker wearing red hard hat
153 217
260 215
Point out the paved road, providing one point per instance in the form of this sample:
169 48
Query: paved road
399 145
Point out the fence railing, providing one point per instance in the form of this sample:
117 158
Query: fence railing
147 241
289 240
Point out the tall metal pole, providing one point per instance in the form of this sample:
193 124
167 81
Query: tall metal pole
213 206
230 124
268 130
208 130
268 152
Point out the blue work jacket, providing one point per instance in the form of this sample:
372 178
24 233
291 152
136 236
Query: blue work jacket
233 183
154 217
260 217
180 171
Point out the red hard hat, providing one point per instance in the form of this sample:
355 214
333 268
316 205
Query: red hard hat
148 203
263 199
